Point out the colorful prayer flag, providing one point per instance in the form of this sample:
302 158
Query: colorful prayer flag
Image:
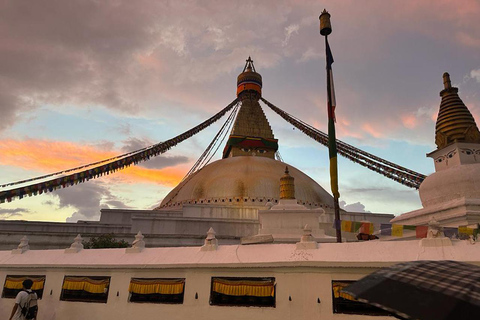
346 226
356 226
421 231
367 228
397 230
450 232
385 229
465 230
330 87
332 141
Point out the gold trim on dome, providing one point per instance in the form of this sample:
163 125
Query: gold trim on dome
261 201
287 186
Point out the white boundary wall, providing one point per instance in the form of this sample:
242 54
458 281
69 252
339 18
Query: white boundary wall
304 275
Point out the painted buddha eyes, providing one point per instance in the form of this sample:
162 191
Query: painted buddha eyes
253 150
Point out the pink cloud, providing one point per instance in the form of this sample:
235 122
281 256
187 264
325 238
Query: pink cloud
149 61
468 40
344 129
373 131
409 121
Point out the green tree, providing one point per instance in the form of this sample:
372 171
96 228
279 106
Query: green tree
104 241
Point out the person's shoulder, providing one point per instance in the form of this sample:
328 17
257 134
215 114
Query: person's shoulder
30 292
22 293
21 296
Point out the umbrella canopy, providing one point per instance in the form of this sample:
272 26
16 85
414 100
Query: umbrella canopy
423 290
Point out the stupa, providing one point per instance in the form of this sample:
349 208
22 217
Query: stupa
248 175
451 195
225 195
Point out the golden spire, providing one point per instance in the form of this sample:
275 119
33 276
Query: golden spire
249 82
251 133
287 186
455 123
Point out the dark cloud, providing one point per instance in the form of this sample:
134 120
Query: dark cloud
157 162
116 204
104 145
365 189
8 213
123 55
54 52
400 198
133 144
160 162
9 106
87 199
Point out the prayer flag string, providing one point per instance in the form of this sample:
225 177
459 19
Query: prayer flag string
398 230
105 169
390 170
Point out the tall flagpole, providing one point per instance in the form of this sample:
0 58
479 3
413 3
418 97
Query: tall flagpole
325 30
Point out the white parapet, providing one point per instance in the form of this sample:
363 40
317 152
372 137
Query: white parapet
22 247
137 245
211 242
76 246
307 241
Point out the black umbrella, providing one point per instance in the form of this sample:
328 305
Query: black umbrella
423 290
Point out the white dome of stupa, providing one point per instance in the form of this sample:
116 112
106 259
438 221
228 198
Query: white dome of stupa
241 181
447 185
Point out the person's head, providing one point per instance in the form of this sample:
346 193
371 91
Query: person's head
27 284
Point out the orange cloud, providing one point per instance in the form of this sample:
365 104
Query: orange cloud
50 156
169 177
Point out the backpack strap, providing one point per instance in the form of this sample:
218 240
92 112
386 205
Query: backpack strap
27 303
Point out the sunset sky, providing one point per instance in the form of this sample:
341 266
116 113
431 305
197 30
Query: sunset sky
82 81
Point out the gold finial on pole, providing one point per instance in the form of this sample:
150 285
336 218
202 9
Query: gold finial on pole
446 81
325 25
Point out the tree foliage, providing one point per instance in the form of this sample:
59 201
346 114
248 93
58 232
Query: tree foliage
105 241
